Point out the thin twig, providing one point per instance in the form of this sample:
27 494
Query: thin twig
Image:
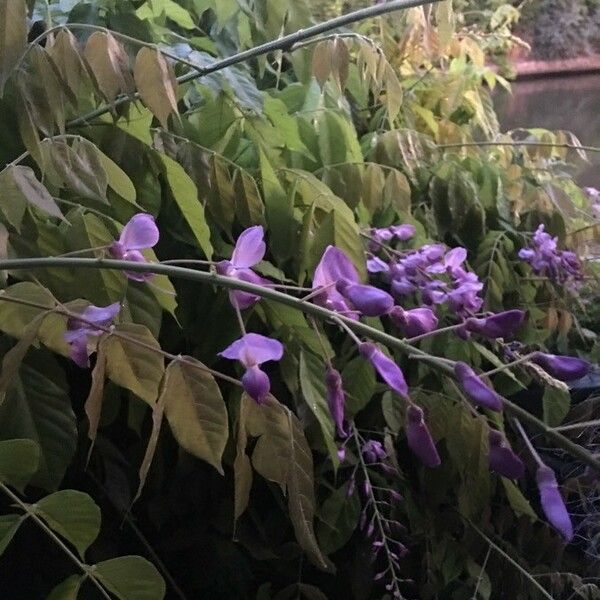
520 143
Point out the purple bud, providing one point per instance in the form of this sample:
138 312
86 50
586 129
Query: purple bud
419 439
366 488
564 368
373 451
396 496
501 325
402 287
477 391
403 232
502 459
414 322
552 502
336 399
256 383
376 265
351 487
388 370
341 454
369 300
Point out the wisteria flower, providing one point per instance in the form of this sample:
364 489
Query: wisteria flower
474 388
373 451
89 323
252 350
452 260
139 233
552 502
369 300
501 325
249 250
334 266
336 399
414 322
388 370
563 368
419 439
502 459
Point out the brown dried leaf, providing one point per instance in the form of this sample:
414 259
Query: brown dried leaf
109 64
340 60
65 54
321 63
156 84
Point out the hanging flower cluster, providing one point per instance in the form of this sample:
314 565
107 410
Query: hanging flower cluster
432 274
561 266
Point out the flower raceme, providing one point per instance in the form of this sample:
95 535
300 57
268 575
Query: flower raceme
89 323
252 350
249 250
502 459
552 502
373 451
474 388
563 368
139 233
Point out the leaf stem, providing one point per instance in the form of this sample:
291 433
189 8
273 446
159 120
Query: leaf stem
42 525
507 366
528 443
357 327
520 143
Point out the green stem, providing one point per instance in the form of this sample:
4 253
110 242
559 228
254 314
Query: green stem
520 143
306 307
284 43
42 525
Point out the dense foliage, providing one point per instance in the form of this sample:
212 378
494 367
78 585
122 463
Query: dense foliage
345 377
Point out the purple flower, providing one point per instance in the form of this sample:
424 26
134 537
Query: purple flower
552 503
336 399
502 459
333 267
564 368
452 260
78 330
139 233
477 391
253 350
416 321
389 371
373 451
501 325
419 439
403 232
376 265
249 250
369 300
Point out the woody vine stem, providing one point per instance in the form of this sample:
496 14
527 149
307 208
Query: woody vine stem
209 278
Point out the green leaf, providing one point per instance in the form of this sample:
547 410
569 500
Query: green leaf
338 141
15 317
9 524
131 578
118 180
19 460
132 366
312 384
282 455
68 589
517 501
38 407
338 518
73 515
185 195
279 211
195 410
21 187
102 286
359 383
249 207
170 8
13 36
556 403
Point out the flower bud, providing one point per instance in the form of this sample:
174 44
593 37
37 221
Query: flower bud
477 391
414 322
419 439
552 502
369 300
389 371
563 368
256 383
501 325
335 399
502 459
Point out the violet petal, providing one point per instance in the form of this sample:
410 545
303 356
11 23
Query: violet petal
564 368
250 248
552 502
139 233
388 370
474 388
419 439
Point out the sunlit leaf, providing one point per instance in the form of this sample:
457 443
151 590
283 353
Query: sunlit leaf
13 36
158 411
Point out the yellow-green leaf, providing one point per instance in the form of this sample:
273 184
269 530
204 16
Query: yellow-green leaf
19 460
13 36
195 410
